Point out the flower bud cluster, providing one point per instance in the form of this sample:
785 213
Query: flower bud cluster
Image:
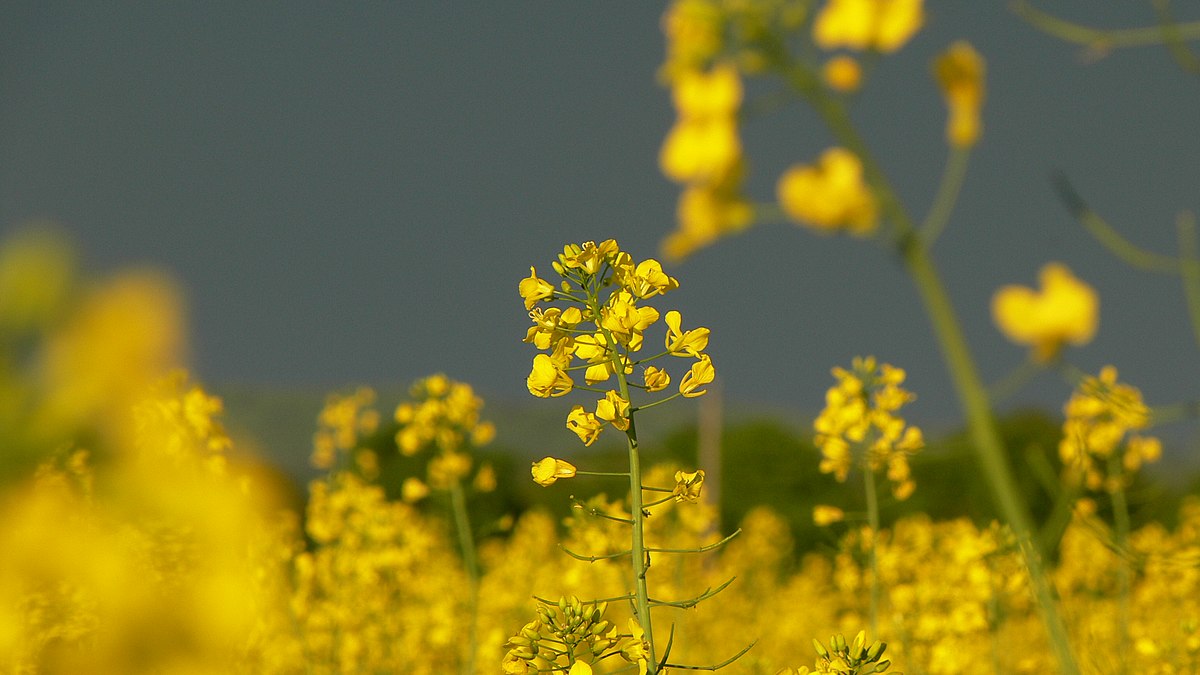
851 659
600 329
860 413
562 636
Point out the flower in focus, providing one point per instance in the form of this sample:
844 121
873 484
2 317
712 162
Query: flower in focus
688 485
584 424
1065 311
882 25
548 378
600 330
830 196
534 290
614 410
548 470
701 373
960 71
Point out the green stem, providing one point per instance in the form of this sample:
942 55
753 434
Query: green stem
1121 540
466 542
947 195
1096 37
1189 254
873 521
640 556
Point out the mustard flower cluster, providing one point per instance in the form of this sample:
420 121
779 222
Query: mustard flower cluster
860 417
1099 440
444 416
569 637
340 424
600 331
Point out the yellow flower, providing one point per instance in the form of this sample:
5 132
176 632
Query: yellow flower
548 378
700 151
413 490
830 196
713 94
960 72
823 515
1065 311
635 648
613 409
549 469
584 424
646 280
842 73
701 373
580 668
656 379
679 343
694 31
534 289
703 214
1100 414
882 25
688 485
485 479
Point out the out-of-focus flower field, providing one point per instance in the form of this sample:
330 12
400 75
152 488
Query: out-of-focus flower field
137 537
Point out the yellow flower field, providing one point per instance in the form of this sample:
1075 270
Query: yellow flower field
137 537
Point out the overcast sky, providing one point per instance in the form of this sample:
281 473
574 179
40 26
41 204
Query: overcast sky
350 192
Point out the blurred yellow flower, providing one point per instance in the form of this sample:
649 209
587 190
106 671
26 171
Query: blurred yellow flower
1100 416
842 73
830 196
701 150
413 490
882 25
1065 311
960 73
548 470
703 214
824 514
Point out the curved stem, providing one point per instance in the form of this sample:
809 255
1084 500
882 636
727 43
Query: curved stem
1189 254
947 195
1096 37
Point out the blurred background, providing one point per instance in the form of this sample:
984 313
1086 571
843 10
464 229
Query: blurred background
350 194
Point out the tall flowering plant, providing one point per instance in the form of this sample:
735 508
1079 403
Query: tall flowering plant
591 331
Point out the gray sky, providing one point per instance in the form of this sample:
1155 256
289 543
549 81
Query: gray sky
351 192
